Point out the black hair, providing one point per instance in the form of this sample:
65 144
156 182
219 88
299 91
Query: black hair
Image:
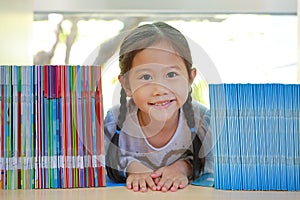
137 40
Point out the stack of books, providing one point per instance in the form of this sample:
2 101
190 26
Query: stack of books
51 127
256 136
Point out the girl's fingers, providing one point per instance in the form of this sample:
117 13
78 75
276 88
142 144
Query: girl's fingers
158 173
183 183
176 185
129 183
156 180
151 184
132 183
135 185
167 185
171 184
141 182
142 185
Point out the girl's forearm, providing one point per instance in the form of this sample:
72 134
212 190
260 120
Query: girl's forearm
183 166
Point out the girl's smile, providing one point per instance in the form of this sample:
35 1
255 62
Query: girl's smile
162 104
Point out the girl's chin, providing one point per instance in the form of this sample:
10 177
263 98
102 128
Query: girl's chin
161 115
160 119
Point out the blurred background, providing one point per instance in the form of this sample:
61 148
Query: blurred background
248 41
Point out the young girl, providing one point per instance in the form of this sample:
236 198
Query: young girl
156 133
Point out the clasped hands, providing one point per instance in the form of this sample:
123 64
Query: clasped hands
168 178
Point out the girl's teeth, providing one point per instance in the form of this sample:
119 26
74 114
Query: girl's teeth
161 104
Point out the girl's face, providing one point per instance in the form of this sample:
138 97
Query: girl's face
158 82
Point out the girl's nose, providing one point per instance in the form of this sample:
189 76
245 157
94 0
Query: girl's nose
159 89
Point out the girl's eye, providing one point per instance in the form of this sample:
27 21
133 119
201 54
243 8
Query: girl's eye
172 74
146 77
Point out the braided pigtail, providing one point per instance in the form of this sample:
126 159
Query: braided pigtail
113 149
123 108
198 163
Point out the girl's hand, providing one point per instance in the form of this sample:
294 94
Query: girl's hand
172 177
138 177
140 182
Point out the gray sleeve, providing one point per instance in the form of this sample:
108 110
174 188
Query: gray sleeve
202 118
124 157
109 128
208 146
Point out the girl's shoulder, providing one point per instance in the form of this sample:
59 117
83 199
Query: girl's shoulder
113 113
201 114
199 108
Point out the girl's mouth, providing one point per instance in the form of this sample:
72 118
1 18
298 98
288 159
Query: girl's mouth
162 104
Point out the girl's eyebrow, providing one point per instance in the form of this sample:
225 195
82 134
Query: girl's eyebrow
141 69
175 67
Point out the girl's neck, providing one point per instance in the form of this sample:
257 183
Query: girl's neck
158 133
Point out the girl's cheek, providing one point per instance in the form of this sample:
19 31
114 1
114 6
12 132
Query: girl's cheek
180 88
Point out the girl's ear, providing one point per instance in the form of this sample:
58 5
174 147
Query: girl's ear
193 75
125 85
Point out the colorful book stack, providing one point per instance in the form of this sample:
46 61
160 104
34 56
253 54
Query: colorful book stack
51 127
257 136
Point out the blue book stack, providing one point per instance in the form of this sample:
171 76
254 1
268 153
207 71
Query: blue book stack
257 137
